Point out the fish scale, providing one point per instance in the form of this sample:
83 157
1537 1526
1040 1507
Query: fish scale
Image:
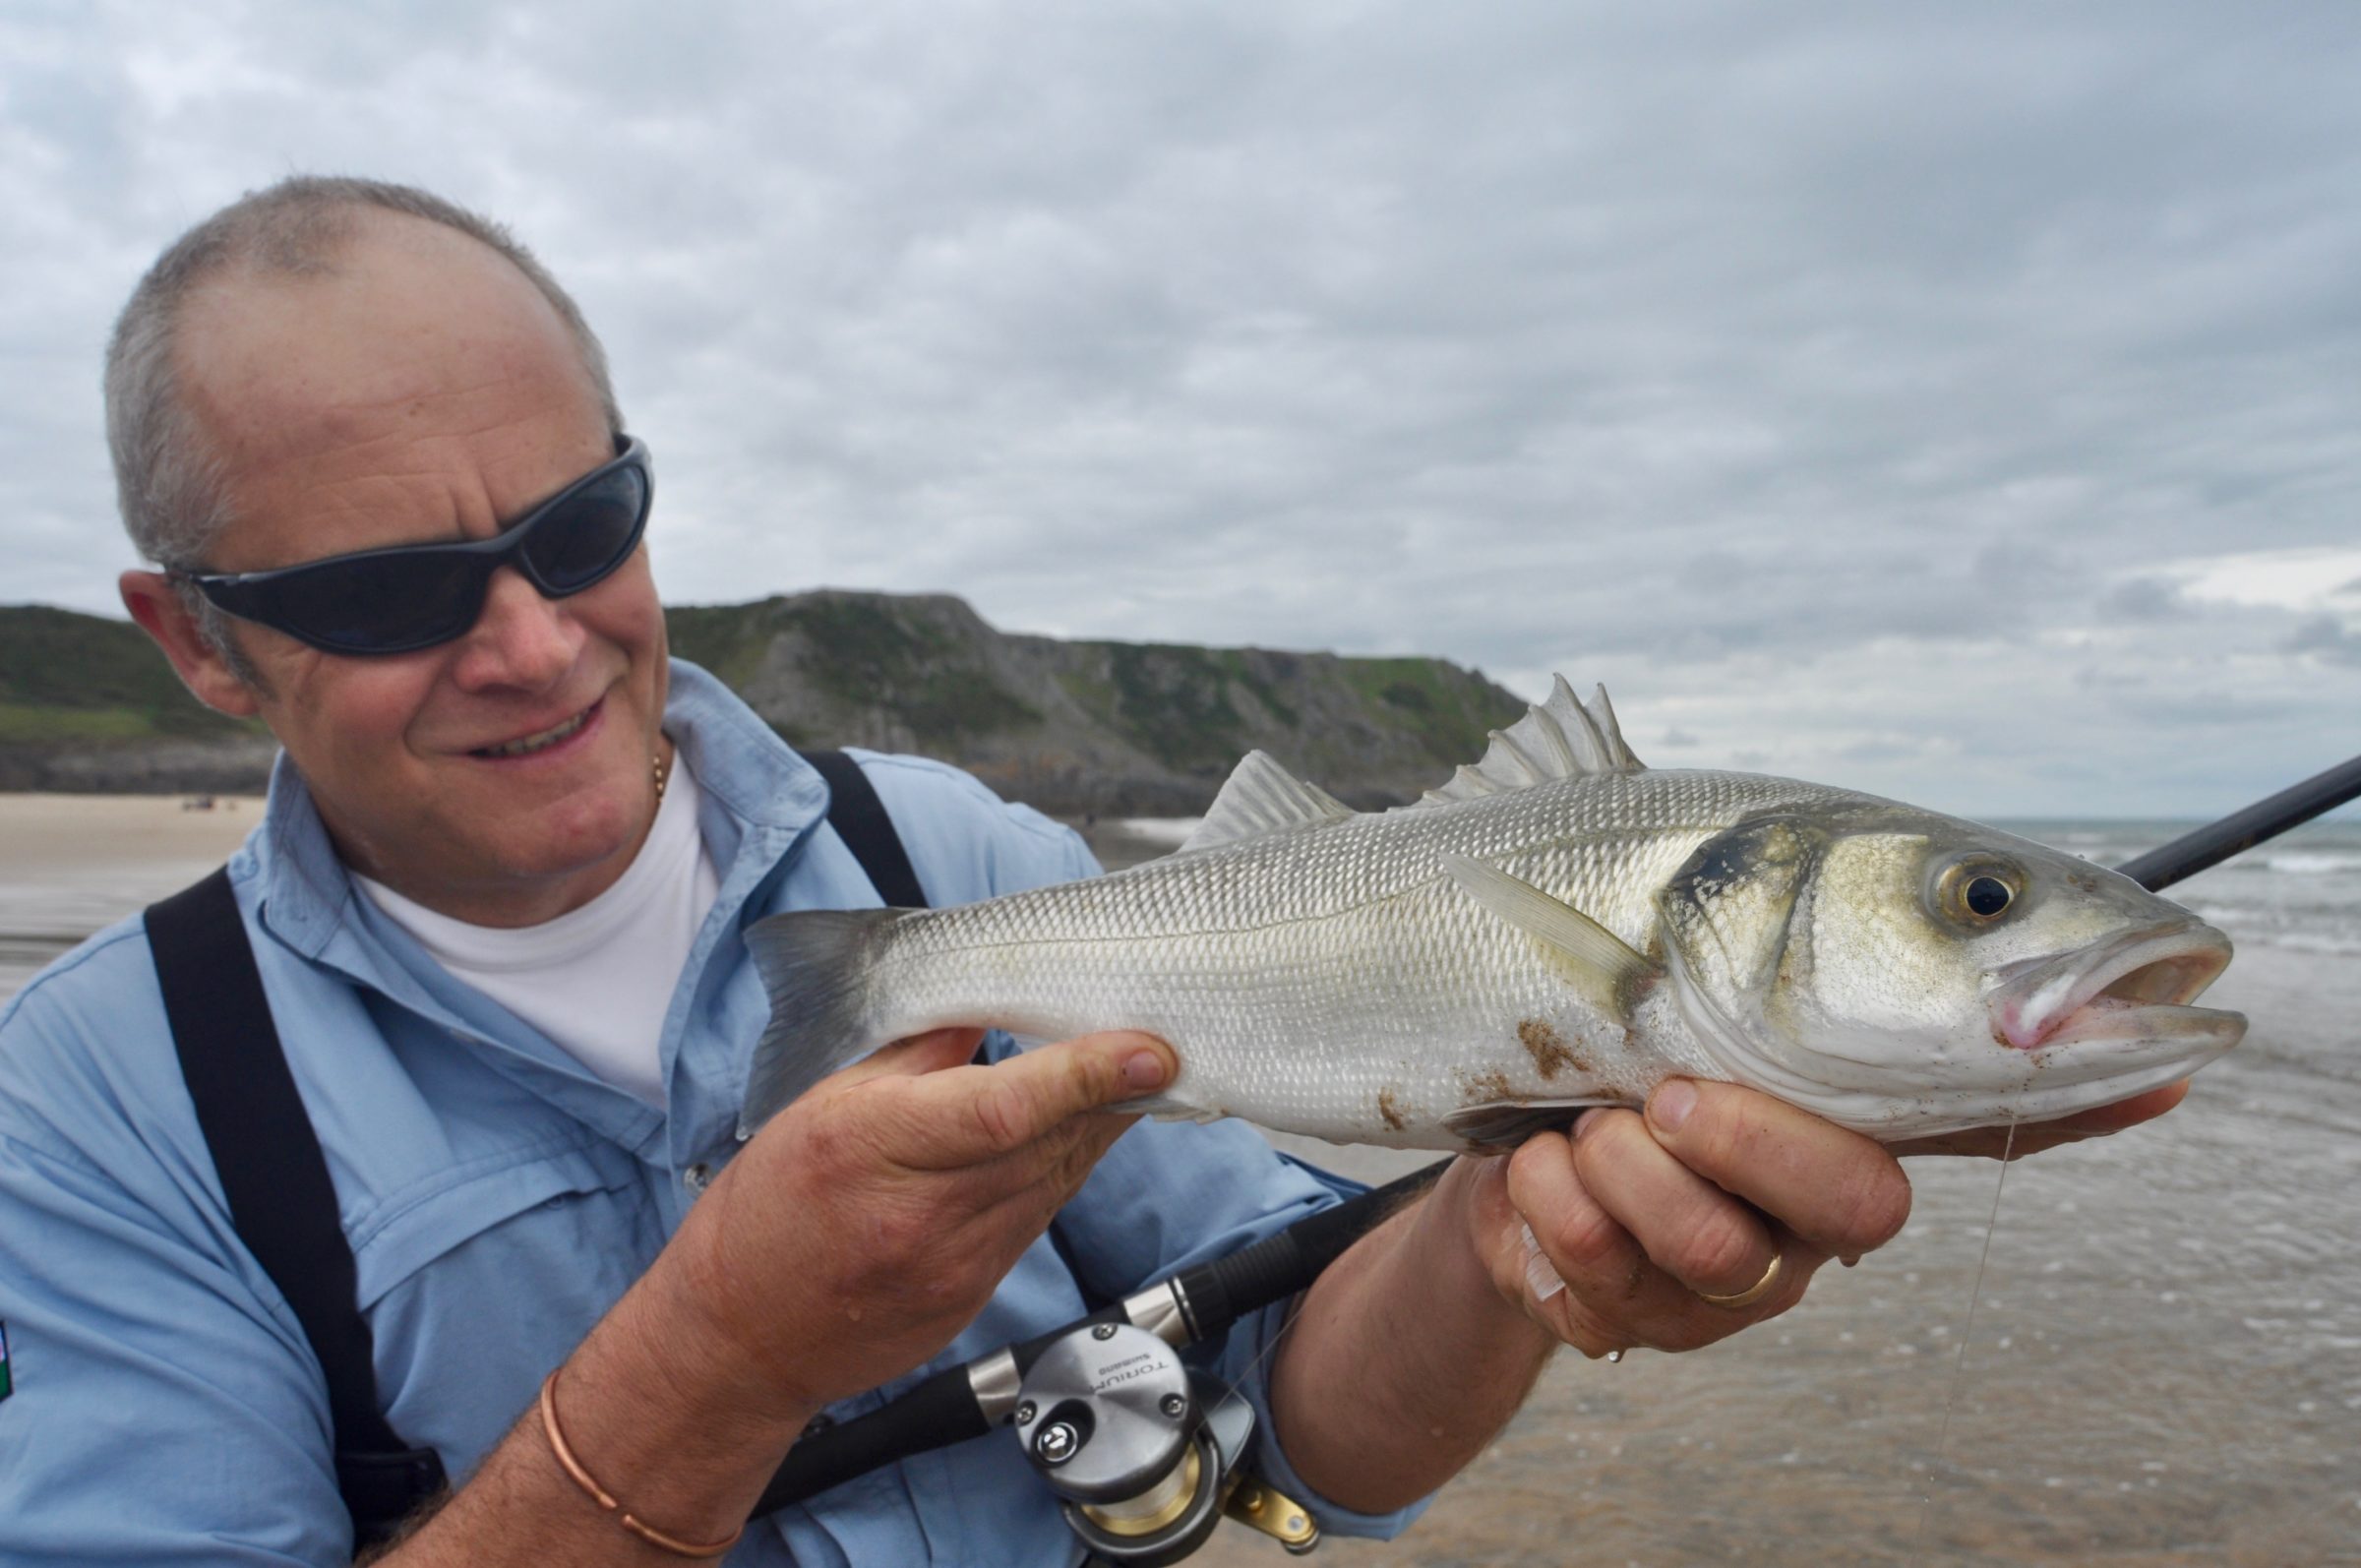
1517 940
1227 952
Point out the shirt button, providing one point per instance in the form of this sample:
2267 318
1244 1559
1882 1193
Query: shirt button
696 1177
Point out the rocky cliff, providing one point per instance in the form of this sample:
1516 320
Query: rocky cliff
1113 728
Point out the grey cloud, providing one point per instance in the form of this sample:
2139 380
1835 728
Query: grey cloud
2327 638
1883 751
1713 347
2146 599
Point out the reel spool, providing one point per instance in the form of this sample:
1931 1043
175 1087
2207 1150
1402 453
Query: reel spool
1143 1457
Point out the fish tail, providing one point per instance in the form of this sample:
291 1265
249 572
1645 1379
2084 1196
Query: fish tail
815 964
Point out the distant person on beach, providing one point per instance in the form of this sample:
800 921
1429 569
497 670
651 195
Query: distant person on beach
496 902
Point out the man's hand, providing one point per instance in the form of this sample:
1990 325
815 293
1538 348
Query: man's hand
867 1222
851 1239
1643 1217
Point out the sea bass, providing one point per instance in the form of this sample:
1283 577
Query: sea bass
1556 927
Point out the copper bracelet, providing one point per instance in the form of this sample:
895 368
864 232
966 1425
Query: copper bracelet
606 1501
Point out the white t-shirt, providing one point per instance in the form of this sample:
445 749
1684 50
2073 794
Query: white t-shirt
596 979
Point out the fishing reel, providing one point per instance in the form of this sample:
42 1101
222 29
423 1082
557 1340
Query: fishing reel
1143 1454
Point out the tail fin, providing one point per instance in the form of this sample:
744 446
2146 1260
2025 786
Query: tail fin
816 965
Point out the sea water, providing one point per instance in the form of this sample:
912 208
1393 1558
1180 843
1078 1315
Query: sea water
2165 1363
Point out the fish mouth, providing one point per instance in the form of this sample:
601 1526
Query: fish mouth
2133 988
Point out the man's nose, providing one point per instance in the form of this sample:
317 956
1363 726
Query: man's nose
520 640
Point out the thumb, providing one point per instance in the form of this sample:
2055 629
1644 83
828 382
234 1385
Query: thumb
984 1114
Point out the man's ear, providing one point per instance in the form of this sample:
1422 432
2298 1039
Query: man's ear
155 604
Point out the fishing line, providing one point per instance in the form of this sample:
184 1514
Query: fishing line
1295 1314
1231 1390
1958 1364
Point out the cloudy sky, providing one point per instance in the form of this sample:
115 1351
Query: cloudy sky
1962 402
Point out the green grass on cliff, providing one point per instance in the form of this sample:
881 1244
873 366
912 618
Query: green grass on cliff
895 660
72 682
871 653
1451 712
1173 703
67 678
727 639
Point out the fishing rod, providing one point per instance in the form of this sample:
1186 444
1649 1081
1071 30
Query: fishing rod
1145 1456
2242 831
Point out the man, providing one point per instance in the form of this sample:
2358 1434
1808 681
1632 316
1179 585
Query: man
496 901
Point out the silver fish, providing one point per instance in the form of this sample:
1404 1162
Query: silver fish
1556 927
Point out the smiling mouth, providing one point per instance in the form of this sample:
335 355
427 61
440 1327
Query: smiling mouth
526 745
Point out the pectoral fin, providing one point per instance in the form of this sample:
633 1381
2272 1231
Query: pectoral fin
1498 1127
1604 968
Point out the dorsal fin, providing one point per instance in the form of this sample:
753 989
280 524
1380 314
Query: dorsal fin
1261 797
1562 738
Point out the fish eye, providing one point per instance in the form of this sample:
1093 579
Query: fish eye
1977 890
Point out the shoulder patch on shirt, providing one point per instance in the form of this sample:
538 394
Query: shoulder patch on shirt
7 1384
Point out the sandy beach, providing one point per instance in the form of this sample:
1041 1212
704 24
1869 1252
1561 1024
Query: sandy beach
73 864
45 833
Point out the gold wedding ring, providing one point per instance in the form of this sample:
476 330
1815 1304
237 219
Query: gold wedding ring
1752 1293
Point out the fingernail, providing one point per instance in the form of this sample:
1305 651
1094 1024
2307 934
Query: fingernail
1852 1261
1671 1104
1144 1069
1540 1278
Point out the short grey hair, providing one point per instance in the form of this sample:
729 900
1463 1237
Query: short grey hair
168 482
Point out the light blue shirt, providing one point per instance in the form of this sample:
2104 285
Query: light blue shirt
499 1199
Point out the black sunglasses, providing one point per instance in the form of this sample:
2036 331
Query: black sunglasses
414 597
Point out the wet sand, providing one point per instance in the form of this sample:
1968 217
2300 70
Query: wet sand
48 833
73 863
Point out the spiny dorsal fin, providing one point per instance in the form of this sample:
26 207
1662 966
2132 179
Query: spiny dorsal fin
1606 972
1261 797
1561 738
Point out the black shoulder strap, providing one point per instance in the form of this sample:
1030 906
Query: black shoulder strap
277 1182
867 828
861 820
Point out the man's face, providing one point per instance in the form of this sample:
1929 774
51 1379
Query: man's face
426 392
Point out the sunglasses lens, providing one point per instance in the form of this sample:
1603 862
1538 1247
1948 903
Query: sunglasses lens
591 533
382 605
392 601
